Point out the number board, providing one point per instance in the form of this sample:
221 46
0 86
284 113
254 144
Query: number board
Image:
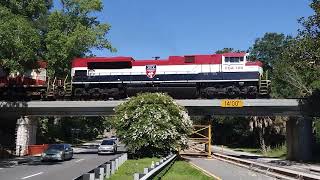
231 103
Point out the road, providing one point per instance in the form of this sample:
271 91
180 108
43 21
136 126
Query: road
37 170
225 170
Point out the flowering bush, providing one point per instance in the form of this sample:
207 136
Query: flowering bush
152 124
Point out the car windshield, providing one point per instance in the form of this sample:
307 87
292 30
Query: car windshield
56 146
107 142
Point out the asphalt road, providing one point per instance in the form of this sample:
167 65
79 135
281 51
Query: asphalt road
227 171
37 170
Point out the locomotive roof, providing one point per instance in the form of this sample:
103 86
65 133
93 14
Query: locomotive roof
174 60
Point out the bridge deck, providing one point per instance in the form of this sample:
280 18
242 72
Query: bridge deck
251 107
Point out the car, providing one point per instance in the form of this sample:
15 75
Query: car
59 152
115 138
107 146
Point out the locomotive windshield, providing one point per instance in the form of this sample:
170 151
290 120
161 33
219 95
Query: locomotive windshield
234 59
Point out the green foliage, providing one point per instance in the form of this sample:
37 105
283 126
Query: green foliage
72 32
232 131
269 48
32 9
298 71
19 40
278 151
152 124
227 50
132 166
31 30
53 130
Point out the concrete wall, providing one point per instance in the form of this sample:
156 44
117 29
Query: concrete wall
25 134
299 138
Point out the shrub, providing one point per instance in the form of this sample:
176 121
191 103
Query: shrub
152 124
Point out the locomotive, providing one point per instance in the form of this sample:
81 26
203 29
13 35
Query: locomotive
228 75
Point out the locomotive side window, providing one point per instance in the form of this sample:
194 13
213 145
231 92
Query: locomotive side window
80 73
234 59
109 65
189 59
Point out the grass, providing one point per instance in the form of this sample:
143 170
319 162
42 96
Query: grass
181 170
131 166
276 152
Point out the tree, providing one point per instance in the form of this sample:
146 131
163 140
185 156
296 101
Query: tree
73 32
299 69
52 130
265 126
269 48
227 50
19 40
31 30
152 124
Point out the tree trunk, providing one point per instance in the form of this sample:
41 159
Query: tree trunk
262 141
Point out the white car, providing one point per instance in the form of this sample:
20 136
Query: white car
107 146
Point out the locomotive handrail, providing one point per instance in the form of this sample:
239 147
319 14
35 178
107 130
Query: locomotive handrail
142 73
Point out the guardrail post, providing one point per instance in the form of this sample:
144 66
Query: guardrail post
108 171
117 163
121 159
136 176
104 166
88 176
113 167
99 173
145 170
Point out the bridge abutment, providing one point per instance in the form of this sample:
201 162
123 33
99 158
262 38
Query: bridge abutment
25 134
299 138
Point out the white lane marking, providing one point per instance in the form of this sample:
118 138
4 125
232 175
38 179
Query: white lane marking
32 175
79 160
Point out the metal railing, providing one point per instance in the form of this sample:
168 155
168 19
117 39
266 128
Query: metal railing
136 73
104 171
278 172
154 168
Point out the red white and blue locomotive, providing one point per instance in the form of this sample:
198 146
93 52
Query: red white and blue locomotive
229 75
208 76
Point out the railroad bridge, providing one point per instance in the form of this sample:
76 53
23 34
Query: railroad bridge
299 125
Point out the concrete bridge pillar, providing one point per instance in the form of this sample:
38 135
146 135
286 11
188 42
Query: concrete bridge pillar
299 138
25 134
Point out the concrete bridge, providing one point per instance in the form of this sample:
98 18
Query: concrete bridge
299 125
245 107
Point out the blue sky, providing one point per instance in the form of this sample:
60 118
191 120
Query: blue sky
146 28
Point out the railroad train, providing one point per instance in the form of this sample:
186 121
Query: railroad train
228 75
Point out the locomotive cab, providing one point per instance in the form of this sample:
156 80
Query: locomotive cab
233 62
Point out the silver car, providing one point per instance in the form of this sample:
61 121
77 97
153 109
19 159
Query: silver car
58 152
107 147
